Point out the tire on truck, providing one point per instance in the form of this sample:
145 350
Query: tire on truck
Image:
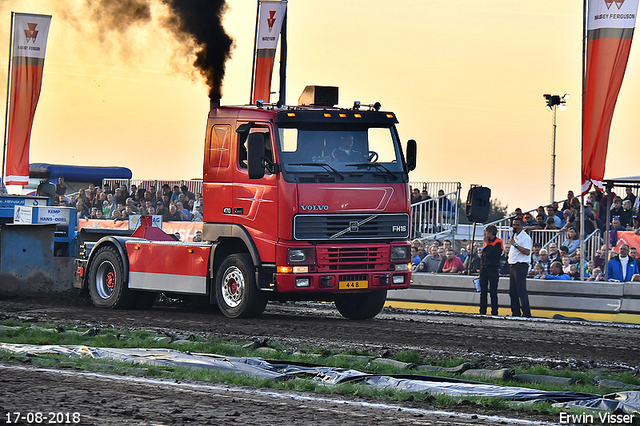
358 306
107 286
237 294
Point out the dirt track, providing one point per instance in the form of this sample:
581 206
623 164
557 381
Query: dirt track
103 399
491 342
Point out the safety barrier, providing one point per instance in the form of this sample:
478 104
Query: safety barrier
601 301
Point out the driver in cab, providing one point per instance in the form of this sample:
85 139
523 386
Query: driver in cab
345 151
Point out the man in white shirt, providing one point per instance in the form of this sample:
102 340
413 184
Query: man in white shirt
519 258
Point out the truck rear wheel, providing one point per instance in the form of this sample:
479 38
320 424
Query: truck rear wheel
107 286
357 306
236 290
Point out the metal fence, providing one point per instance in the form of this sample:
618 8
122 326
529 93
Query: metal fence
194 185
436 217
544 237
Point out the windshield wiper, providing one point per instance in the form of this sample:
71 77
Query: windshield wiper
369 165
325 165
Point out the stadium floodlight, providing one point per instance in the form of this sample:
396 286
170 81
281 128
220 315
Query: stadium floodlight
554 102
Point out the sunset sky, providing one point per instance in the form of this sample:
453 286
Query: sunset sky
464 77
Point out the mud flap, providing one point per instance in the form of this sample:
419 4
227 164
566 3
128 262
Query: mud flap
265 280
79 272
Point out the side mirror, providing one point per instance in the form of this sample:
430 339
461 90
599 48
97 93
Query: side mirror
255 152
412 154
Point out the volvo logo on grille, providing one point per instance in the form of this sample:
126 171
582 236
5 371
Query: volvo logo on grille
354 226
315 207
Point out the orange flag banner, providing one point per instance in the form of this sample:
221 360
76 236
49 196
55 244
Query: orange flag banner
27 63
270 18
610 26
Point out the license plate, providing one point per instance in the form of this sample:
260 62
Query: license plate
353 285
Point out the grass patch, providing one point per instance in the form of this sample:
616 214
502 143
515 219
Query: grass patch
412 357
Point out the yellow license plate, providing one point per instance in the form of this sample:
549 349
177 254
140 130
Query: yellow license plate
353 285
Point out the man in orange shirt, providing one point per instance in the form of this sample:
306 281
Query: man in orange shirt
490 269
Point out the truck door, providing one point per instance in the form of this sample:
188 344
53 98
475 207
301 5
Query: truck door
218 173
255 200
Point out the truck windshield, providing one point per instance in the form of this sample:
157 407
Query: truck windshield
340 152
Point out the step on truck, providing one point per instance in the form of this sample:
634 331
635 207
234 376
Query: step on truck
306 202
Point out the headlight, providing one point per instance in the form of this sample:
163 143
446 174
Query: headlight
399 253
303 282
398 279
297 255
305 256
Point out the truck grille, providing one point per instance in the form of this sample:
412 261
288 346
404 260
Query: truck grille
318 227
352 258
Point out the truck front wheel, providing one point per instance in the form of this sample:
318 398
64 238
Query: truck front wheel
236 290
357 306
107 286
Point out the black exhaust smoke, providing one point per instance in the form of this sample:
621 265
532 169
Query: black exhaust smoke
201 21
196 24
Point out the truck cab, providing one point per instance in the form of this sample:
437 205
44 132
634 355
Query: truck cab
316 198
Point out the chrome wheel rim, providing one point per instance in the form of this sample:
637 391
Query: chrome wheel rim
105 280
233 287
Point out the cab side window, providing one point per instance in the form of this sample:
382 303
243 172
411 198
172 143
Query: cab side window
219 147
242 145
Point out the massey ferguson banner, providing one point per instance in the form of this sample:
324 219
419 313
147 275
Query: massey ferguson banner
25 73
270 17
610 26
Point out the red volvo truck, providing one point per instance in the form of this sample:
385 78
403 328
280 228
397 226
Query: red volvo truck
306 202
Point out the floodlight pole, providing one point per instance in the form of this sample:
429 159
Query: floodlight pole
553 102
553 155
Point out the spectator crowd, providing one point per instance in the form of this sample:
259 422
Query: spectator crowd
174 204
553 262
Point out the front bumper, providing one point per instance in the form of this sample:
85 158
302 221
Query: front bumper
344 281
